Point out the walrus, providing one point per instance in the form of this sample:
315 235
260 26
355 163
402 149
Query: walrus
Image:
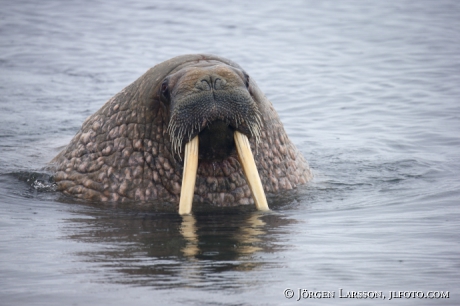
193 129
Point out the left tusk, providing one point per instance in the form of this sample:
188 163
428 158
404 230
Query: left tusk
189 176
250 170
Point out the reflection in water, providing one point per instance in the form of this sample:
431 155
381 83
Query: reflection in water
247 236
250 236
188 230
167 250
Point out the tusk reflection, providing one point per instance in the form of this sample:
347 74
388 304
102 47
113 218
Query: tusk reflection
249 235
188 231
244 240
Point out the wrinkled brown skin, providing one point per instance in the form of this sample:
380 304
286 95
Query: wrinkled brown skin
123 152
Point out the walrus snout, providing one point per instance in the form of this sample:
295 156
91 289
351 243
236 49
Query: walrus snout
212 116
201 96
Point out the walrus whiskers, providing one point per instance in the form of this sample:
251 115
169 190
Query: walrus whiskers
178 132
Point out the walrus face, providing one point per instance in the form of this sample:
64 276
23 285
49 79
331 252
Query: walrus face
211 102
212 114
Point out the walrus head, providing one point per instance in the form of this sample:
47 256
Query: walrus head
195 128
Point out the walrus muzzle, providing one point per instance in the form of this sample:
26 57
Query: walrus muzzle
216 97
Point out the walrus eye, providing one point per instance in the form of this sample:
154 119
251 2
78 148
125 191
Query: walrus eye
164 89
246 79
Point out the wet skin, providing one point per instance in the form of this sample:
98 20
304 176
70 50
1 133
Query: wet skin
132 149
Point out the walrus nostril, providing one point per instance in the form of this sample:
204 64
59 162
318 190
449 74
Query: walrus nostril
211 82
203 85
206 85
218 84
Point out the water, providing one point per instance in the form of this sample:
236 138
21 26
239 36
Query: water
367 90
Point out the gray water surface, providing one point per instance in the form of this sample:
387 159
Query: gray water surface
368 91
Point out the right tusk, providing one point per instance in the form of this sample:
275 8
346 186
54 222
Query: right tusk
250 170
189 176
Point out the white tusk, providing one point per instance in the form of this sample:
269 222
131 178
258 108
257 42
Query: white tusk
189 176
250 170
